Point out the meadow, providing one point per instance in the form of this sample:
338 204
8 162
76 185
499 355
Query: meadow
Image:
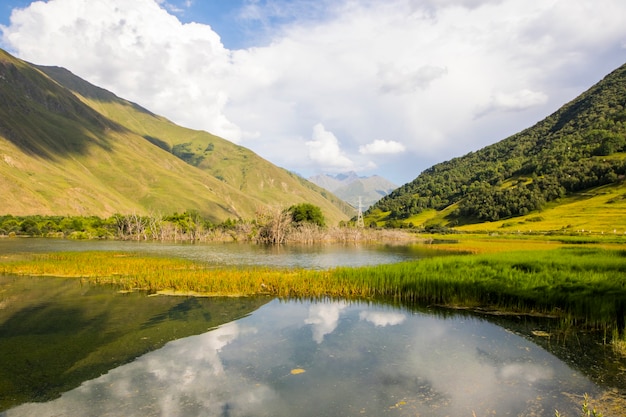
593 212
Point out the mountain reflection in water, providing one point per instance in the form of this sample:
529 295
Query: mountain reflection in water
349 359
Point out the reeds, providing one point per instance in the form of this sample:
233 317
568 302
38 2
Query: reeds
585 283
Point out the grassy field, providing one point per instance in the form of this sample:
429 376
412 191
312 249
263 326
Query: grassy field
598 211
586 282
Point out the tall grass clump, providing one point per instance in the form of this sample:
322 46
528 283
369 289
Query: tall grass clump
586 282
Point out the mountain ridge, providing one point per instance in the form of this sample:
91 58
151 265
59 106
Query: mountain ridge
68 147
579 147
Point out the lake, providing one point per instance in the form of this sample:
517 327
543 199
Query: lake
72 349
317 256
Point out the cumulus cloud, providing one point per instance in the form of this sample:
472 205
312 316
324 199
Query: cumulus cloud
135 49
324 148
445 76
172 7
380 146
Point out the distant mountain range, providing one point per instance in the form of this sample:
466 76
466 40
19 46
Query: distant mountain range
68 147
350 187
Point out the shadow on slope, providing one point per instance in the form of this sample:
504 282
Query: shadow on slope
42 118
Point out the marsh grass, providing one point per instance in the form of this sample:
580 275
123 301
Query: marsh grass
584 283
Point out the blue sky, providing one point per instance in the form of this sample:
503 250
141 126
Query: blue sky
224 16
325 86
240 23
221 15
7 6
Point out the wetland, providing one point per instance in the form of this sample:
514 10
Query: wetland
78 347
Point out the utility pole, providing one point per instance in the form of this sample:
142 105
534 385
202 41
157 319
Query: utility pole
359 218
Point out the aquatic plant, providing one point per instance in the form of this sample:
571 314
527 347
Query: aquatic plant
585 410
581 283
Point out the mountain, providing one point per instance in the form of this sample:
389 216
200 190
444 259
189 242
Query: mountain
68 147
568 155
350 187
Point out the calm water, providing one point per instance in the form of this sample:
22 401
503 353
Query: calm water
73 349
302 256
333 359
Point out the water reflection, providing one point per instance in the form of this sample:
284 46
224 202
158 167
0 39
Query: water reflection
56 333
357 360
320 256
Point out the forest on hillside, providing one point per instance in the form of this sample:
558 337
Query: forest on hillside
582 145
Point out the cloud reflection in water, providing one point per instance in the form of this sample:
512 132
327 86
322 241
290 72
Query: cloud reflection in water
324 318
379 359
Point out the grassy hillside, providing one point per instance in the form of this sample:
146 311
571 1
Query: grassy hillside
89 152
569 154
600 210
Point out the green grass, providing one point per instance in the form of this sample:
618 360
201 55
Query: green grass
582 282
597 211
587 283
600 210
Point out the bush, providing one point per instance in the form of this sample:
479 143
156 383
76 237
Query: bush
307 213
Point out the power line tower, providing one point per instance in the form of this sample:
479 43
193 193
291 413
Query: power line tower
359 217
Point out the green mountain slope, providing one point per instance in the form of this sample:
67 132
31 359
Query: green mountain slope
580 147
68 147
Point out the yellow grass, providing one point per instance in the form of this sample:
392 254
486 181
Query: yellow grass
423 217
601 211
485 244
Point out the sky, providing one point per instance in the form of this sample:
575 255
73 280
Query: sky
385 87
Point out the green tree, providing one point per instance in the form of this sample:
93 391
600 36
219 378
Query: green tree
307 213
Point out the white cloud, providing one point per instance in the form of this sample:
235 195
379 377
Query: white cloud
381 318
406 80
380 146
324 318
137 50
324 149
172 7
517 101
418 71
